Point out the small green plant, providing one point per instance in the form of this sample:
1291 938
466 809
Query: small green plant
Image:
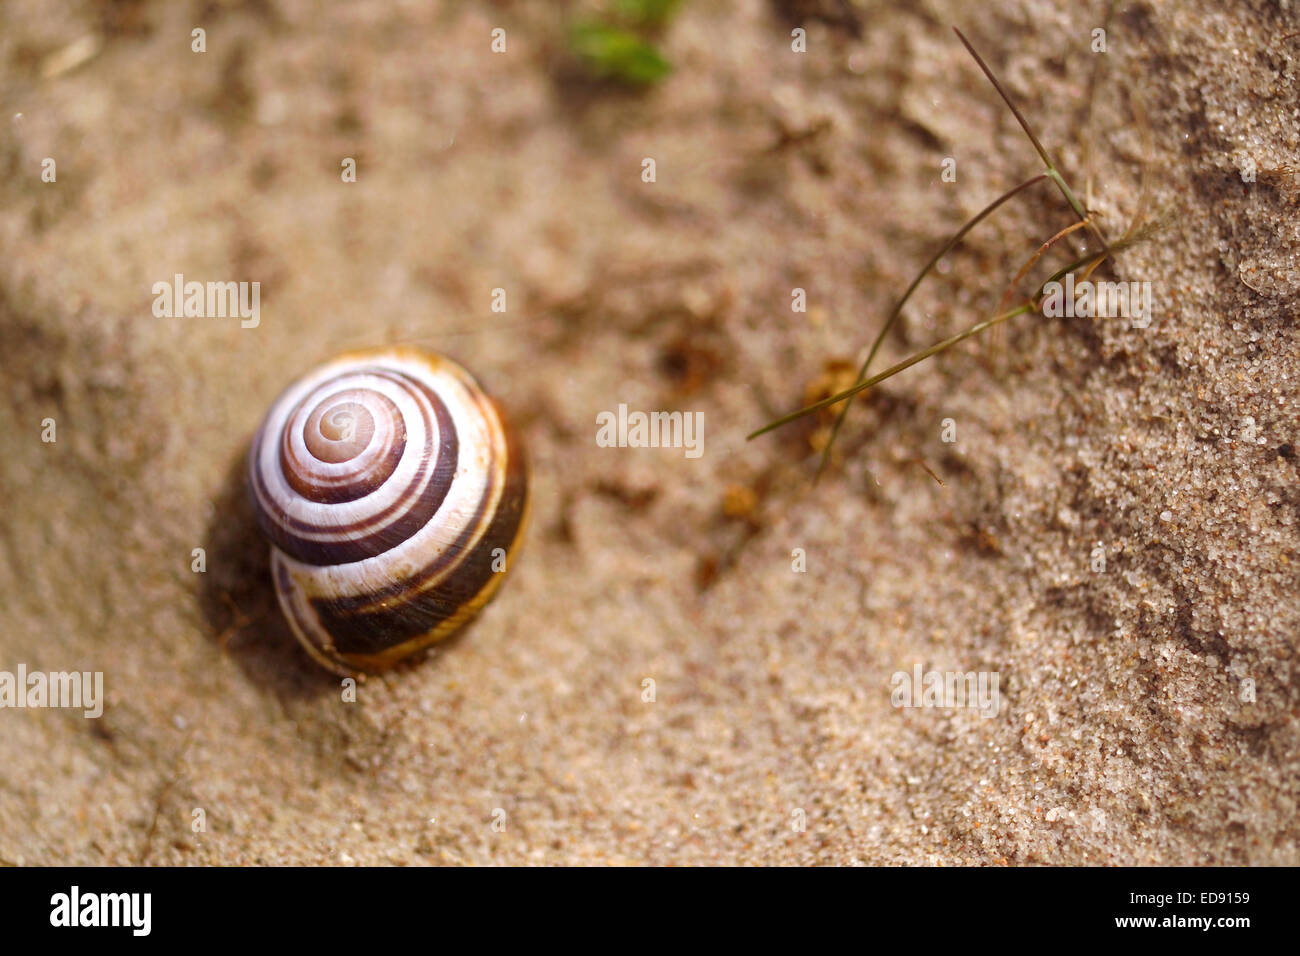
1031 304
621 44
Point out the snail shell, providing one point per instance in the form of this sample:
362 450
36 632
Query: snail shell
394 495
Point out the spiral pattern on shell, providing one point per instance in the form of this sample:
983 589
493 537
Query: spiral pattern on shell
393 493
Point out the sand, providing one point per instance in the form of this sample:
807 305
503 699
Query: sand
1126 732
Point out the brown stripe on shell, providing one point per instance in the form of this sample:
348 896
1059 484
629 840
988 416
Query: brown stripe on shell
346 542
311 533
411 609
444 562
347 486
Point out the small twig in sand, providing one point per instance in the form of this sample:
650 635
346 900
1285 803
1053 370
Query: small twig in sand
162 798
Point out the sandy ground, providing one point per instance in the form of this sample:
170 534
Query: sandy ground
1126 733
